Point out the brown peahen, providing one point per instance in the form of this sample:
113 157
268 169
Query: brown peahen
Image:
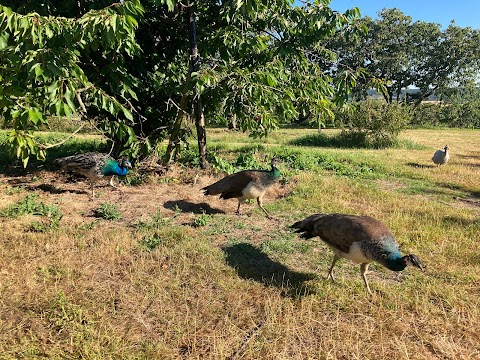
247 184
361 239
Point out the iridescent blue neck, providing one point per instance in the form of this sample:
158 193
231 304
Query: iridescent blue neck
112 168
396 262
275 172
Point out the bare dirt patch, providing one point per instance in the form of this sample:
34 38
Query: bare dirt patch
179 196
390 185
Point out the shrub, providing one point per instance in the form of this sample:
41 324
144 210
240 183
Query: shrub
31 205
108 211
373 124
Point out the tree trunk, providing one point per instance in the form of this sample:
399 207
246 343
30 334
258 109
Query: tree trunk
388 95
423 96
232 122
174 141
194 67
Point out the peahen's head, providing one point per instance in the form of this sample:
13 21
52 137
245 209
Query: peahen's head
413 260
274 162
445 148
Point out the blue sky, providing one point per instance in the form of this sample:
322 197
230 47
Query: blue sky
464 12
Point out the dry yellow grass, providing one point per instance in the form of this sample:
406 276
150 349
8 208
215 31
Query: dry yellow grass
245 287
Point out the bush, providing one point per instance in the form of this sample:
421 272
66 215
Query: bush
31 205
108 211
455 115
373 124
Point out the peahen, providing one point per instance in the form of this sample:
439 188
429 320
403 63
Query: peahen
95 166
247 184
361 239
441 156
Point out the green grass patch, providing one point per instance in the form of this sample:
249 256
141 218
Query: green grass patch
108 211
31 205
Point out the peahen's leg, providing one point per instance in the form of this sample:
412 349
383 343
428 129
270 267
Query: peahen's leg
363 270
330 271
259 202
92 189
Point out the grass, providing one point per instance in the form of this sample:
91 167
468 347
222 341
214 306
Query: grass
108 211
192 280
30 205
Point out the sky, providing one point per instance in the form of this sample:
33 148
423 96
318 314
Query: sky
464 12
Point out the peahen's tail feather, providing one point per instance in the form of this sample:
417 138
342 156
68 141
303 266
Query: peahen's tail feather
307 226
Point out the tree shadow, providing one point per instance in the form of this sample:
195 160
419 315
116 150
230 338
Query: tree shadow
420 166
467 156
251 263
187 206
457 220
52 189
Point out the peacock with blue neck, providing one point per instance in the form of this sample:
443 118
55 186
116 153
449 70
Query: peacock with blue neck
112 167
95 166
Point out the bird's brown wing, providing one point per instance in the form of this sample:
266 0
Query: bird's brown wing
341 230
232 185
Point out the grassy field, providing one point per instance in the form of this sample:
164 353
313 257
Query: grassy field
164 272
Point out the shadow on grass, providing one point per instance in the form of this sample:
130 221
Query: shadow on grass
421 166
457 220
187 206
253 264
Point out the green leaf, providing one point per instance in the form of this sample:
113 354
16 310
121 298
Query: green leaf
38 71
128 114
113 22
131 21
33 116
25 161
4 41
68 112
170 4
7 11
59 108
69 98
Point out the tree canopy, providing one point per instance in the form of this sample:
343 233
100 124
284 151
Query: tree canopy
125 65
404 53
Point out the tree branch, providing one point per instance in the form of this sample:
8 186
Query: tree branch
49 146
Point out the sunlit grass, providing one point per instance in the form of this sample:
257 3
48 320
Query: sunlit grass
176 284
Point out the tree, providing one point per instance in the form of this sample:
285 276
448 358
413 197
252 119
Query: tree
60 66
442 59
255 66
404 53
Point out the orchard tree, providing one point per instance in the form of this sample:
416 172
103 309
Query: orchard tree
127 66
64 66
